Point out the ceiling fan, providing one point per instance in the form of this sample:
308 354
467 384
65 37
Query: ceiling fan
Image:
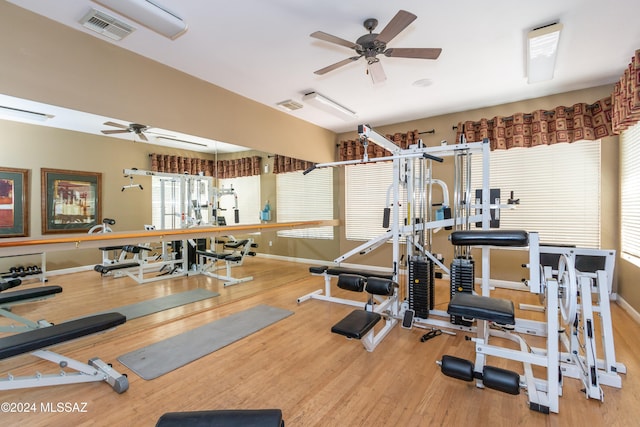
135 128
373 44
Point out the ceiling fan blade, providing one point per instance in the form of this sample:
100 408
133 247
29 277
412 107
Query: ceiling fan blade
321 35
109 132
420 53
142 136
116 125
395 26
337 65
376 71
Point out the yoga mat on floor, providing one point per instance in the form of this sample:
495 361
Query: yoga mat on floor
145 308
163 357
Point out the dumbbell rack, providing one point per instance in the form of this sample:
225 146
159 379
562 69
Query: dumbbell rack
28 272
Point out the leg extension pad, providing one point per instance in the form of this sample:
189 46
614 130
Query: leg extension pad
356 324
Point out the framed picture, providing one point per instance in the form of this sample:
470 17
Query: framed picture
14 202
71 201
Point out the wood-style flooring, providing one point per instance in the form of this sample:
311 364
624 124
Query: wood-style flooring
317 378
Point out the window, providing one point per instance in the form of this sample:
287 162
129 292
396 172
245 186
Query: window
630 188
169 211
305 198
558 187
366 190
247 188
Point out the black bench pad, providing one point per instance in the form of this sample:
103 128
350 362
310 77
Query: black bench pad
356 324
209 254
336 271
40 338
223 418
235 245
24 294
514 238
482 308
103 269
134 249
111 248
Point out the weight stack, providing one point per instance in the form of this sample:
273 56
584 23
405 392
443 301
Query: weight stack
462 280
421 286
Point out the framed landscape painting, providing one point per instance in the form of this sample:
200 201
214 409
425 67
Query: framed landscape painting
14 202
71 201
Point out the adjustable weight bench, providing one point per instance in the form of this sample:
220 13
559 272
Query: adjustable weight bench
223 418
240 249
37 340
23 296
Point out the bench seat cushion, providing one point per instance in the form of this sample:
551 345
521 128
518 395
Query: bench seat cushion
511 238
223 418
40 338
356 324
478 307
27 294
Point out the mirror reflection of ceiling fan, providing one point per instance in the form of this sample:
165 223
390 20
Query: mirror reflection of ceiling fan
371 45
140 131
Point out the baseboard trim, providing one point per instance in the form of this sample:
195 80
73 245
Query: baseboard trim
628 308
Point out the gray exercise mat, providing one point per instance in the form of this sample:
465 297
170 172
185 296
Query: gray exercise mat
155 305
163 357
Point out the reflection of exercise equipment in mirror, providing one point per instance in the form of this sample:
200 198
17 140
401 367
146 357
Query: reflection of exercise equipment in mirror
218 194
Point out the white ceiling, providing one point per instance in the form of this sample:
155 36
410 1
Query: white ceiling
262 50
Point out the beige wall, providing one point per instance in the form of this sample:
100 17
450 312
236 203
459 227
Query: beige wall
64 67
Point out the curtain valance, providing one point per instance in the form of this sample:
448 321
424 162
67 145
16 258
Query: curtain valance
283 164
354 150
542 127
232 168
626 96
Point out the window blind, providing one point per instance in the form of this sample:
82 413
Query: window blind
630 191
305 198
558 187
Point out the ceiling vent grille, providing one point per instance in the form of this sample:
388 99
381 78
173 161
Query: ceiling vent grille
289 105
106 25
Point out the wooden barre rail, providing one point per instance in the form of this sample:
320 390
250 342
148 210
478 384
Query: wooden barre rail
22 246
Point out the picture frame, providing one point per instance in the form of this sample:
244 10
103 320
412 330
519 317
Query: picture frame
71 200
14 202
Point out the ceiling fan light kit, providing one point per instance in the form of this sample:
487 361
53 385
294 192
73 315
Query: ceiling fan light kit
150 14
323 103
373 44
542 50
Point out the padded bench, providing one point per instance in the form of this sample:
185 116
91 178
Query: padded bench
337 271
223 418
104 269
23 295
356 324
44 337
511 238
478 307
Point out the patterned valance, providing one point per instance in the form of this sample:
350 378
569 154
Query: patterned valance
540 127
282 164
354 150
626 97
232 168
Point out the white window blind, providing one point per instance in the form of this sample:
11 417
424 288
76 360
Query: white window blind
558 187
366 188
305 198
630 194
248 190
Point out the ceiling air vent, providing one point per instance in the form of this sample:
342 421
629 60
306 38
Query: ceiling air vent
289 105
106 25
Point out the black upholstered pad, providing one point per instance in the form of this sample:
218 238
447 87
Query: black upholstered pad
356 324
210 254
236 244
25 294
116 266
513 238
223 418
133 249
483 308
111 248
317 269
336 271
40 338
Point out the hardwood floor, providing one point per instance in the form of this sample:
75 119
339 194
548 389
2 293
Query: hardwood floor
317 378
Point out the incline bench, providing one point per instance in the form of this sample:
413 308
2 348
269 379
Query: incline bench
23 296
37 340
